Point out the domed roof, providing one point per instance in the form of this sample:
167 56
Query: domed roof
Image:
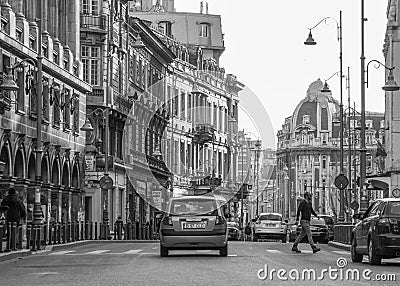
316 103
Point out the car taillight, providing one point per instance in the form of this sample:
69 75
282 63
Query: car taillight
383 226
168 220
219 220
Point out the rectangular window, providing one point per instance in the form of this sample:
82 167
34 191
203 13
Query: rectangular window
204 30
90 7
20 102
189 108
323 162
183 105
91 63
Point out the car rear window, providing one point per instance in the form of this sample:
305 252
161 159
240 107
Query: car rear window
393 208
194 207
270 217
317 222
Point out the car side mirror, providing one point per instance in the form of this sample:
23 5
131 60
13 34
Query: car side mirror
286 221
253 220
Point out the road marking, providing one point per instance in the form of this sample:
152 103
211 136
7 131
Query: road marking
97 251
45 273
273 251
61 252
132 251
203 251
154 247
341 252
232 255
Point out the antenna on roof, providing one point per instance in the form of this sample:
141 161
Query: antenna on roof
201 7
206 7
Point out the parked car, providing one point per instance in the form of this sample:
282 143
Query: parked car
330 223
270 226
377 234
234 232
193 222
319 230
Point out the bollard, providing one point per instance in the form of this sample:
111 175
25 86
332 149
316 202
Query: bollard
59 233
50 234
101 230
20 237
128 231
69 231
38 240
55 233
82 230
91 230
7 249
95 231
28 236
134 232
73 231
45 234
13 236
1 237
33 238
86 230
139 234
115 232
64 232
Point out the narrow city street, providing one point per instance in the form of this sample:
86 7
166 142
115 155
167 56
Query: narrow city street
140 264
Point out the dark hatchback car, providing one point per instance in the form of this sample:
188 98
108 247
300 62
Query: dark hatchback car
377 234
319 231
193 222
330 223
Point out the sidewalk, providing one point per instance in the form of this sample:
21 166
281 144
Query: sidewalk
339 245
5 256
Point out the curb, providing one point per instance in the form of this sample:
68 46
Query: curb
339 245
15 254
48 248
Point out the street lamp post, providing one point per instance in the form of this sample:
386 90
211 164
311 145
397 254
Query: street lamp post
310 41
256 170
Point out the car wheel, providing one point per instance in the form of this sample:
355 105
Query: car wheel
224 251
163 251
355 257
255 237
283 239
373 258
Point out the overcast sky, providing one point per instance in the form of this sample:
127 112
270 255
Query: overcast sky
264 48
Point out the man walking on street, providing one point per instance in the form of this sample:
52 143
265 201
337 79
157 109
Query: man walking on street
306 209
16 209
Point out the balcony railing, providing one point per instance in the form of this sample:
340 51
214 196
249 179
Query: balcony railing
98 22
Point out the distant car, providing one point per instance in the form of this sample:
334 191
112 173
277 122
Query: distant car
270 226
330 223
292 232
234 232
319 231
193 222
377 234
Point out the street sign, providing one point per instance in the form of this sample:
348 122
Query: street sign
341 182
106 182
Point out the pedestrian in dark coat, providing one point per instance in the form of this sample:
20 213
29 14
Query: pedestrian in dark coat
16 209
306 209
247 231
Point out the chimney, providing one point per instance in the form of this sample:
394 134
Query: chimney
201 7
206 7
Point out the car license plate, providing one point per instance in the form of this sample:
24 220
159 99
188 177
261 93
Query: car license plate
193 225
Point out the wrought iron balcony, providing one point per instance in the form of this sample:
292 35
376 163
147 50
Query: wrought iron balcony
94 22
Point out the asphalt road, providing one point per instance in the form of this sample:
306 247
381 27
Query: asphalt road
140 264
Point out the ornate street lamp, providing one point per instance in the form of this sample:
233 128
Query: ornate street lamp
310 41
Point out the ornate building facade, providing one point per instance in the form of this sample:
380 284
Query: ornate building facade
308 153
391 180
64 105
